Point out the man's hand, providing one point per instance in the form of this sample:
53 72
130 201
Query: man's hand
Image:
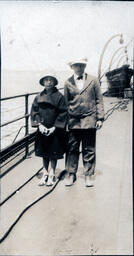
99 124
50 131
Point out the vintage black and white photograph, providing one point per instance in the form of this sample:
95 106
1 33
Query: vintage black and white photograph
66 126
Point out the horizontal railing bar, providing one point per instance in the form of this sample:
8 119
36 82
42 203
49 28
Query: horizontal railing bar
14 120
18 96
11 167
18 142
23 95
11 145
16 146
23 150
12 150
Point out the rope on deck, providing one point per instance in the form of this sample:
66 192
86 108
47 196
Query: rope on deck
18 189
59 178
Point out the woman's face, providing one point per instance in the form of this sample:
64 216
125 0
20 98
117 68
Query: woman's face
49 82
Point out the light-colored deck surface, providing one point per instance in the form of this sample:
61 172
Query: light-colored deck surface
76 220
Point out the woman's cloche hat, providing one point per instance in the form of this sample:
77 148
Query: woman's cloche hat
48 75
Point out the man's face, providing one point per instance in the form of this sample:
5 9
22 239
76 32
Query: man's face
78 68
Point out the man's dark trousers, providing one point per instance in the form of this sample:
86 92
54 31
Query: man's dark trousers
88 139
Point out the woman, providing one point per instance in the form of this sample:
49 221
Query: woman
49 114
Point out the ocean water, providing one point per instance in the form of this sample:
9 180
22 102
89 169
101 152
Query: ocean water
15 83
12 109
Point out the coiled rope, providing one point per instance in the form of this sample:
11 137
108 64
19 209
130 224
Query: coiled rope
120 105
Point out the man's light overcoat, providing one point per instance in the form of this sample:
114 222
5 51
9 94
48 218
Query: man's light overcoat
85 106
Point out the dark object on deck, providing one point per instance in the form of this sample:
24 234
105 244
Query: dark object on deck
118 80
16 147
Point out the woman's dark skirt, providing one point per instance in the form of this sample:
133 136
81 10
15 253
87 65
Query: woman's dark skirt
53 146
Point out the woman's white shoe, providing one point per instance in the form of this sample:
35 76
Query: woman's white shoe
43 180
51 180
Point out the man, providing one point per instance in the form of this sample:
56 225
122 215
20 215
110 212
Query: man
85 115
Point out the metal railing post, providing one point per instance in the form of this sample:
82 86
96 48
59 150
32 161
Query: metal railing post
26 122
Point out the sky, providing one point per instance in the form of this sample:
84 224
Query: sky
46 35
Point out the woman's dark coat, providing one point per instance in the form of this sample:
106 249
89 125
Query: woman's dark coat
50 110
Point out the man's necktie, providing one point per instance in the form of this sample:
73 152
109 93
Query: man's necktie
79 77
